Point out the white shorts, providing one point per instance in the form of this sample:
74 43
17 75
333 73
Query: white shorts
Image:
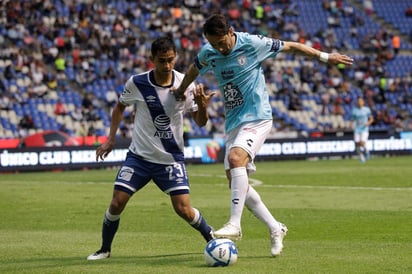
250 137
361 136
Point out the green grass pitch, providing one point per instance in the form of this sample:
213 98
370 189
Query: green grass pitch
343 217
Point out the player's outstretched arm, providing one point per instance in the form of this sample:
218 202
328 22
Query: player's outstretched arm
190 76
330 58
117 115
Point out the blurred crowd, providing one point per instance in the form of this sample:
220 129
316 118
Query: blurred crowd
42 40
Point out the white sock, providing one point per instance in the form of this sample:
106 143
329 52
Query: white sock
111 217
255 204
238 189
196 218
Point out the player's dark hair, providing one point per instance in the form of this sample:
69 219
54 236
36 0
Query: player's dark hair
162 44
217 24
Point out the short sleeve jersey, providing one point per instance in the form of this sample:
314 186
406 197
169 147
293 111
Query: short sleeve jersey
158 125
240 77
360 116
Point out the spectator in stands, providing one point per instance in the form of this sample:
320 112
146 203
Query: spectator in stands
111 97
77 114
410 36
9 72
64 129
37 90
37 73
396 43
52 81
82 132
333 20
295 103
87 104
325 98
382 118
368 6
91 130
338 106
60 63
5 101
408 11
248 111
60 108
369 97
62 81
25 124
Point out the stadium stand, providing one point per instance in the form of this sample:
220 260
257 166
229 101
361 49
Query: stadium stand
62 50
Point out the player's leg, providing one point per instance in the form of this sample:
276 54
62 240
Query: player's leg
110 224
364 143
277 230
132 176
243 144
235 162
362 151
172 179
183 208
253 200
359 146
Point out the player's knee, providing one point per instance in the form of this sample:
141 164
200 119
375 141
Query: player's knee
238 158
234 160
184 211
117 206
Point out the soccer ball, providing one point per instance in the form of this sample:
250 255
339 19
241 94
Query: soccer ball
220 252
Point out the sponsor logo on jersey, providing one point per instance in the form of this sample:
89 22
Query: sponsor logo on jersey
227 74
233 96
162 124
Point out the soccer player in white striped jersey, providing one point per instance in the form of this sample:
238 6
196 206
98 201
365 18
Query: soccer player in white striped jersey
156 149
236 60
361 119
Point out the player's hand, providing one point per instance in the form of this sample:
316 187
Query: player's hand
201 98
178 93
337 58
103 150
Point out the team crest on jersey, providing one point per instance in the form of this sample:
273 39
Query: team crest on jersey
241 60
125 173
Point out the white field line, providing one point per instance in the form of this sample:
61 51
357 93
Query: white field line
255 182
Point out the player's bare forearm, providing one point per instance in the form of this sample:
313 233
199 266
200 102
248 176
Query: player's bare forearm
190 76
330 58
117 115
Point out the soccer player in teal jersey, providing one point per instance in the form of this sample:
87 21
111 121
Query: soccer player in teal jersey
361 119
156 149
236 60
